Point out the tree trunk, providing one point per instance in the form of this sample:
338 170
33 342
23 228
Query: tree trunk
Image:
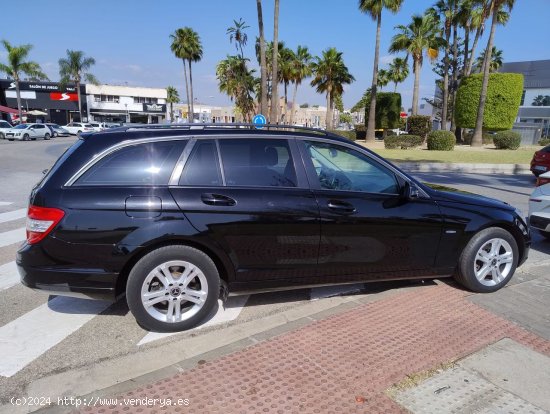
445 103
479 31
328 124
286 103
79 102
186 90
477 139
454 79
171 112
466 46
371 124
293 103
417 69
18 92
263 64
395 88
191 93
274 118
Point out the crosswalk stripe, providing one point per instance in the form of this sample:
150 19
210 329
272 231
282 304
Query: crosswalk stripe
5 203
233 307
329 291
8 275
29 336
12 236
13 215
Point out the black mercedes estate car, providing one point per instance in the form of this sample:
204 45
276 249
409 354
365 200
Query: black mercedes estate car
173 217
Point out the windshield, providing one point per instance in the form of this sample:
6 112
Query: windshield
21 126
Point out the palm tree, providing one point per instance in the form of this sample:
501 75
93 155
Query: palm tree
74 68
419 36
238 34
172 97
17 66
374 9
496 7
262 59
330 74
399 71
494 65
274 118
445 12
301 70
238 82
383 78
286 71
186 45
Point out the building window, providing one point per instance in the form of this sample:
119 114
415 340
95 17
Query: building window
142 99
106 98
522 98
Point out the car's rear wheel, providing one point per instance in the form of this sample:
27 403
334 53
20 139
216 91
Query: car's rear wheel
78 133
172 288
47 136
489 260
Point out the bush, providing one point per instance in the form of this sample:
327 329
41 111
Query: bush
502 104
419 125
402 141
388 110
507 140
544 142
360 132
467 137
346 134
441 141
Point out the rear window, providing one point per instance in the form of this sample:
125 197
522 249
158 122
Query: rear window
142 164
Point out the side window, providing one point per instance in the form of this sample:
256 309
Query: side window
141 164
342 168
257 162
202 168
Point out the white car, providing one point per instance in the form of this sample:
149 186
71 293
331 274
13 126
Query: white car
4 126
98 126
25 132
76 128
539 206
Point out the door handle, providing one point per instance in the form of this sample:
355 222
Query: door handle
341 207
217 200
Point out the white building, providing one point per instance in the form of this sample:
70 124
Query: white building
110 103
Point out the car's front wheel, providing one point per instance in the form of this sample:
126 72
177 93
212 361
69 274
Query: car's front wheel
2 136
172 288
47 136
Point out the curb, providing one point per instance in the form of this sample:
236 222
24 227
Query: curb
423 167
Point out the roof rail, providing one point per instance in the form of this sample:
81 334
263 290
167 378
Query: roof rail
206 126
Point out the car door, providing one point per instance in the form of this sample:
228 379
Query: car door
369 228
251 197
40 130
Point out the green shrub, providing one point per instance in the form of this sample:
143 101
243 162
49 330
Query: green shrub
502 104
346 134
360 132
507 140
419 125
487 138
388 110
544 142
402 141
441 141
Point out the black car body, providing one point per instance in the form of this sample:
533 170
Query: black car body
268 209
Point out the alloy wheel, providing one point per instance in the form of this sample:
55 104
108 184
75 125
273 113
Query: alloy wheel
493 262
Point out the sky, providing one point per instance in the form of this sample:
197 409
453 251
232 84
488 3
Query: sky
129 39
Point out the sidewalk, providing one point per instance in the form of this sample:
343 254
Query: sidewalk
360 360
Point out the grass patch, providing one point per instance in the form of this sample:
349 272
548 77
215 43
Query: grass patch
460 155
412 380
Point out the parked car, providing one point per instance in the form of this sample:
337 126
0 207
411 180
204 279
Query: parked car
541 161
4 126
58 131
76 128
98 126
173 217
539 205
26 132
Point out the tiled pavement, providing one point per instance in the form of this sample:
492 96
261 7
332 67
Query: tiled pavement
344 363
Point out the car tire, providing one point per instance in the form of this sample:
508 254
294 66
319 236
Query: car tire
2 136
488 261
26 137
147 282
47 137
78 133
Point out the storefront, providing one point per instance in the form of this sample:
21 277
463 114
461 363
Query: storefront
49 101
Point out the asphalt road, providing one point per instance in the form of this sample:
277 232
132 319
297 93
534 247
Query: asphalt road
43 338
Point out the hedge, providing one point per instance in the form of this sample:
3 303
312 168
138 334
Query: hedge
419 125
441 141
507 140
402 141
388 110
467 137
346 134
544 142
502 104
360 132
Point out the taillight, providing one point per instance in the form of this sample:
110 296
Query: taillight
542 181
40 221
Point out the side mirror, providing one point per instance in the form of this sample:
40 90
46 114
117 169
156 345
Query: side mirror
411 191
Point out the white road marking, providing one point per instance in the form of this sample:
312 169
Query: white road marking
233 308
9 276
29 336
329 291
5 203
13 215
12 236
